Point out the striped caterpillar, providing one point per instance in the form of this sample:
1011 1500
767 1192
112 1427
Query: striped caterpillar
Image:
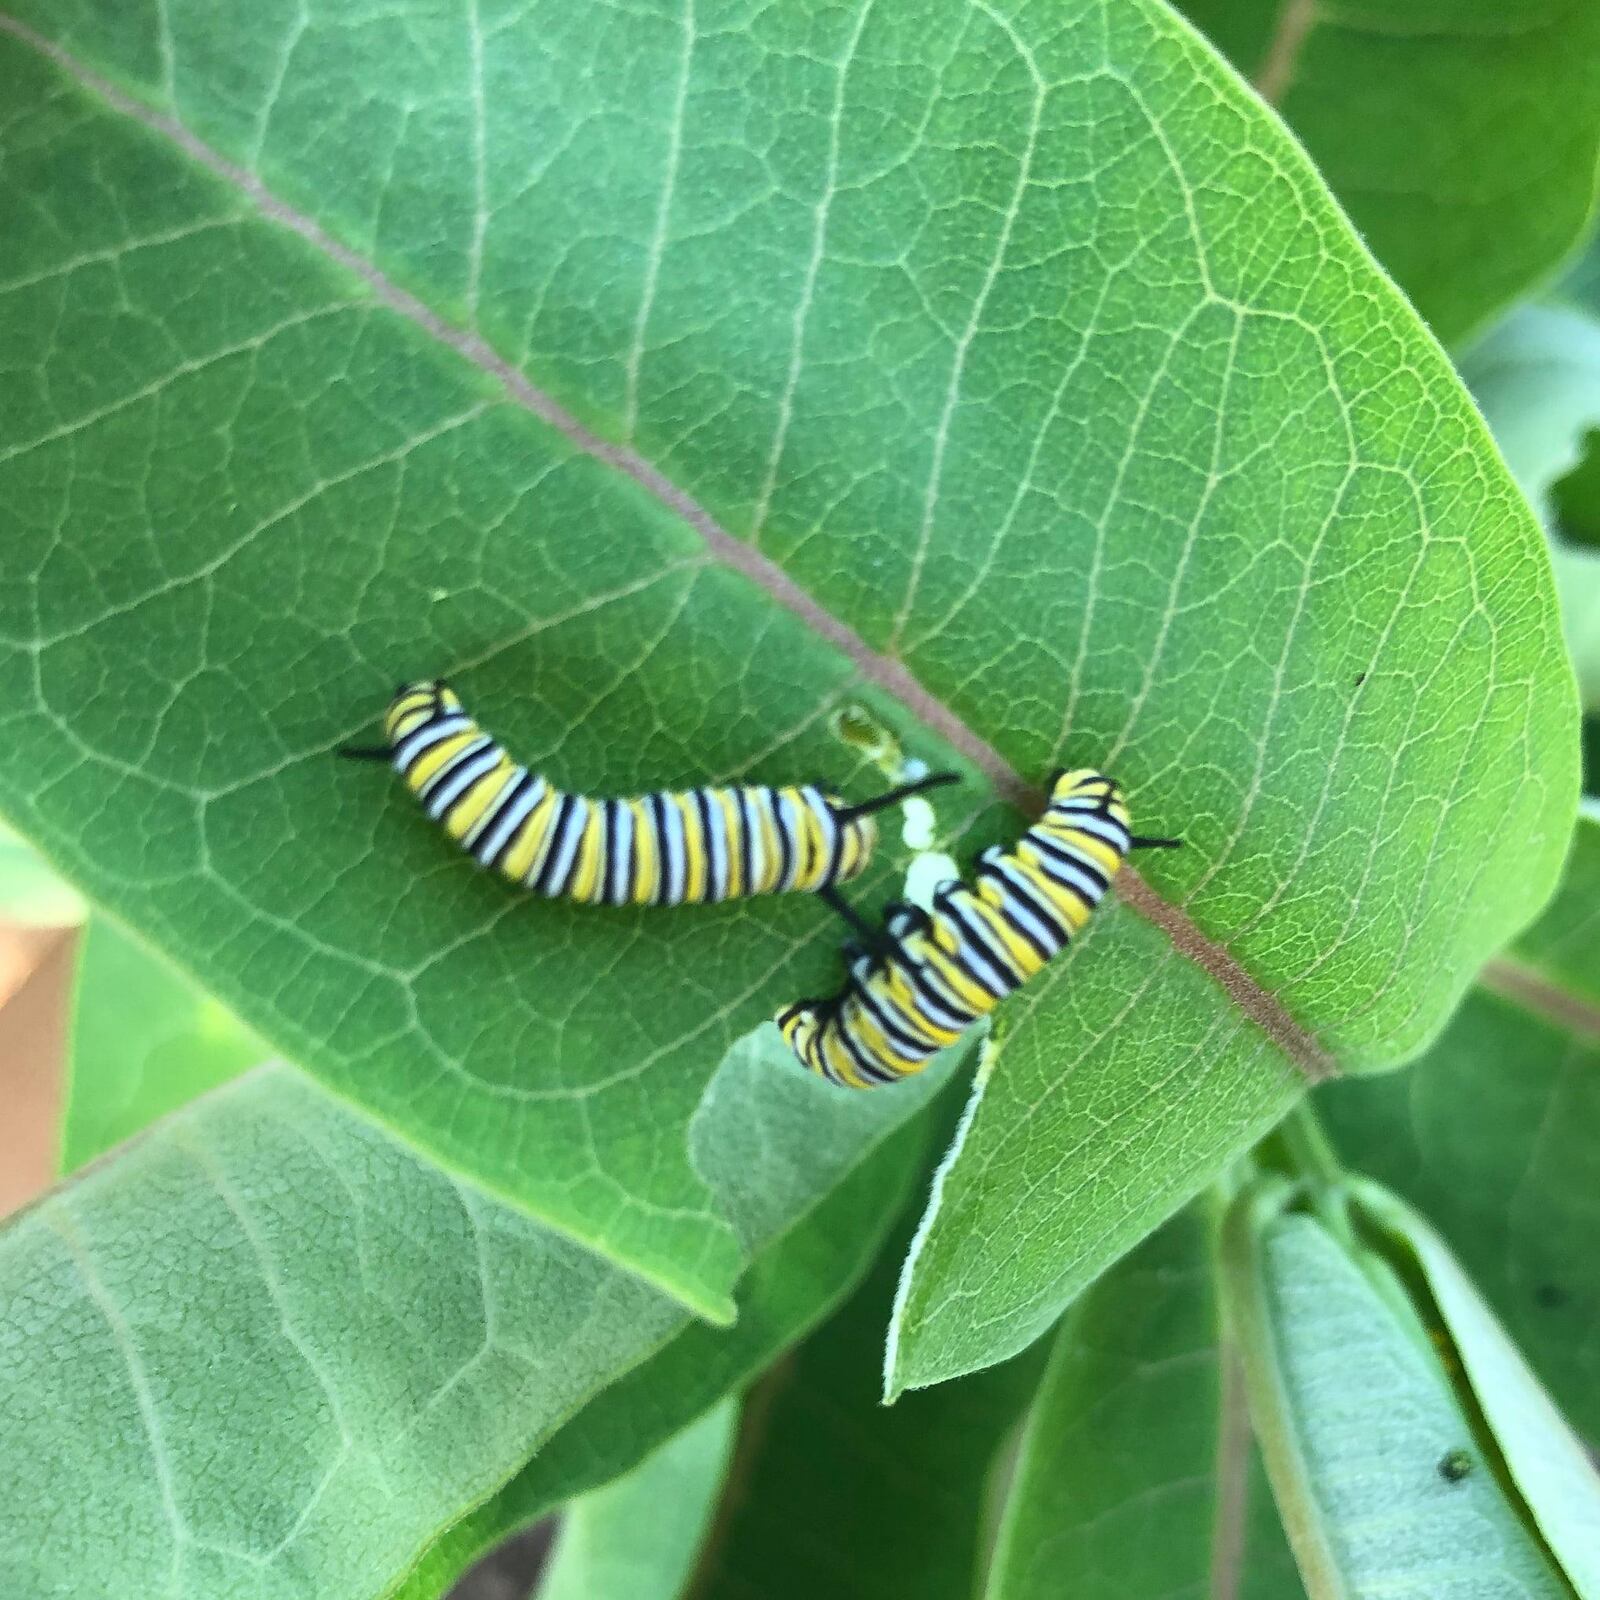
689 847
916 989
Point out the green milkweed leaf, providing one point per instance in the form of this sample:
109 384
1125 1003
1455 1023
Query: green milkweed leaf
1490 1136
1553 1476
791 1285
637 1538
1537 376
1462 139
1560 951
833 1494
671 380
265 1350
144 1042
1134 1472
1576 497
1137 1473
1380 1479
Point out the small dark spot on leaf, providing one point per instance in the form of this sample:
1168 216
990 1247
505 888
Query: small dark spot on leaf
1551 1296
1361 678
1454 1465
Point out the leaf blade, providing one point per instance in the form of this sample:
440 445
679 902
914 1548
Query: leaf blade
267 1350
1204 317
1536 374
1486 1137
791 1285
906 1493
1048 1179
1137 1419
1554 1477
1358 1425
144 1042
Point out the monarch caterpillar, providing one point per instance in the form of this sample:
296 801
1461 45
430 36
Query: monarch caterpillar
654 849
916 991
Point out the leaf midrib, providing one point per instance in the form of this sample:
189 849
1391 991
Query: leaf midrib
1529 988
1235 1441
885 672
1281 59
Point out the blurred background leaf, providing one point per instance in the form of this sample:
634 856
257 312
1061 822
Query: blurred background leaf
32 893
1138 1474
144 1042
1461 138
637 1539
1536 374
830 1493
1490 1135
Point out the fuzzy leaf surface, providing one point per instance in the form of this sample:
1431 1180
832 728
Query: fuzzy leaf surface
267 1352
1378 1476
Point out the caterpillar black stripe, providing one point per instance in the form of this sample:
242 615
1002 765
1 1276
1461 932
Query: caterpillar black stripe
655 849
917 990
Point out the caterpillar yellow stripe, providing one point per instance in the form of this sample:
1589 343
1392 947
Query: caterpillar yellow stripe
917 990
695 846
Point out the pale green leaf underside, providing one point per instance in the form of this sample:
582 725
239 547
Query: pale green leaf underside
1355 1419
267 1352
1025 343
1462 139
1548 1464
392 1336
789 1287
637 1539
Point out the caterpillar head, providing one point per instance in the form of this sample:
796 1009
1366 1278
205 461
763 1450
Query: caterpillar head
1083 783
1087 790
1092 793
417 703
